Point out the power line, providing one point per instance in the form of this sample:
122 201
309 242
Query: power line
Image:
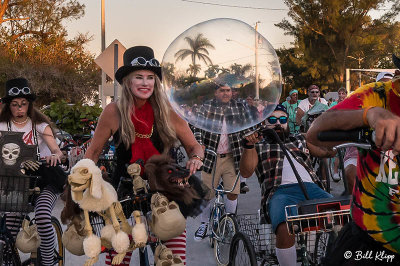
249 7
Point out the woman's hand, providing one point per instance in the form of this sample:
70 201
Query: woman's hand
53 159
194 164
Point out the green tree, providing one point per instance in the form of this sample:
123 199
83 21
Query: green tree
212 71
193 70
198 48
327 32
240 70
39 50
72 118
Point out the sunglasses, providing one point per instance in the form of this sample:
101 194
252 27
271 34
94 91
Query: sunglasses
141 61
273 119
14 91
314 91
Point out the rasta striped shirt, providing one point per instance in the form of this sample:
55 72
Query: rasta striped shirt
376 203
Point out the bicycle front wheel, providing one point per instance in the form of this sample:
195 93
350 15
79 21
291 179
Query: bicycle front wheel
227 228
242 251
323 245
59 250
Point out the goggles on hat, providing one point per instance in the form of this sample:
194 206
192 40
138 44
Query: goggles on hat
273 119
14 91
141 61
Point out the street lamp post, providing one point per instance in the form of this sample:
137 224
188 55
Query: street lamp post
103 47
256 61
255 49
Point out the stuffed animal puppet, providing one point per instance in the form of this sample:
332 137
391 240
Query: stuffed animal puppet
169 178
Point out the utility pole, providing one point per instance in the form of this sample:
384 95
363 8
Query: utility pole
359 59
103 47
256 61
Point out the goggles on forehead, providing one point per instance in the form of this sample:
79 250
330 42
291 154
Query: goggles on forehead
273 119
14 91
141 61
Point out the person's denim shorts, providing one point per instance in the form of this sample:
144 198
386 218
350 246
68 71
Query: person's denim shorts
291 194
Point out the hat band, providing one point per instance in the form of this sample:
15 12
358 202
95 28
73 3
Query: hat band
141 61
15 91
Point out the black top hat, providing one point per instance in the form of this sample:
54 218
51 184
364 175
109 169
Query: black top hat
18 88
136 58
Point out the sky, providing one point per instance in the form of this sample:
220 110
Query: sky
156 23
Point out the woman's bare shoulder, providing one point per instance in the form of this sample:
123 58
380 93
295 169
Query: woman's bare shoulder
110 115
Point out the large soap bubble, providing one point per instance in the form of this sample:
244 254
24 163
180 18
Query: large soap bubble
222 68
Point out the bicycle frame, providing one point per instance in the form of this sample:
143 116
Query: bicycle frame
218 208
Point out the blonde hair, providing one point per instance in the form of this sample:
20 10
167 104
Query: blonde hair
161 109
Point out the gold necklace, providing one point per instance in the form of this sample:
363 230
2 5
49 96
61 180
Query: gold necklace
145 136
20 123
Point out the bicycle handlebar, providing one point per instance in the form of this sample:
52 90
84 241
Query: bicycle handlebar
363 138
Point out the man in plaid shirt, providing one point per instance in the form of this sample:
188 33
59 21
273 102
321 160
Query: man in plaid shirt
279 186
221 114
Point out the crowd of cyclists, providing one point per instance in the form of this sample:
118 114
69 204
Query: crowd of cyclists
278 150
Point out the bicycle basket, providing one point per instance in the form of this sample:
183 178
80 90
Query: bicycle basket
261 235
321 215
14 194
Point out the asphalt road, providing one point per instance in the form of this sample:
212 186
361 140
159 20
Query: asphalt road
198 253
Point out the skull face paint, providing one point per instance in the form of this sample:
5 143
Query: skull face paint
10 153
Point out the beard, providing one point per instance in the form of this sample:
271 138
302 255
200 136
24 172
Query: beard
282 133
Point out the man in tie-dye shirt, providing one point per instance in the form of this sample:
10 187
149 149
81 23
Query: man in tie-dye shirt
373 237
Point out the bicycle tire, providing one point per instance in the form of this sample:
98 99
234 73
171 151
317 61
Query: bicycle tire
241 251
227 228
347 190
324 244
59 249
1 251
9 258
331 169
321 168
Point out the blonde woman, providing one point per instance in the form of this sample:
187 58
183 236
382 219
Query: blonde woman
143 123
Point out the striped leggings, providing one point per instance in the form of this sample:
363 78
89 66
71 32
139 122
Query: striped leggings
176 244
43 208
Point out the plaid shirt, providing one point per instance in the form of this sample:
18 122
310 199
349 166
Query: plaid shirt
270 163
213 113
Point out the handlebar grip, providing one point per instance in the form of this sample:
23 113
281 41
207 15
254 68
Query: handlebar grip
340 135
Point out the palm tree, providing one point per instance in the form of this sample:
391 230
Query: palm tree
240 70
198 49
212 71
193 70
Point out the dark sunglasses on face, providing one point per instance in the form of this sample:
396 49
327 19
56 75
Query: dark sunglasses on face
273 119
141 61
314 92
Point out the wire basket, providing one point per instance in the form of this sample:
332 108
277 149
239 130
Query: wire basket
261 235
319 222
263 238
15 194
